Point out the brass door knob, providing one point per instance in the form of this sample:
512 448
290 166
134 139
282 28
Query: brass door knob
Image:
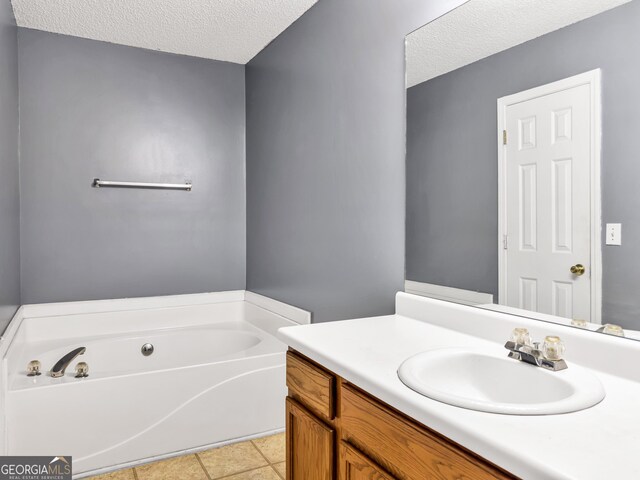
578 269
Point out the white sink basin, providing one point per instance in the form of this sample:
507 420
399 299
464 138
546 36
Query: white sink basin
489 381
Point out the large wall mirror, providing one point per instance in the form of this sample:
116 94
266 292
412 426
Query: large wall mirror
523 166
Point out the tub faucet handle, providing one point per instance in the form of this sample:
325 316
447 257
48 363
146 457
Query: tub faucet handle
33 368
82 370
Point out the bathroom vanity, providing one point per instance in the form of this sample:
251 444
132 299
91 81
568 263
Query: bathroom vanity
349 416
337 430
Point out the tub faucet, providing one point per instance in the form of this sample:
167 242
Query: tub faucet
62 364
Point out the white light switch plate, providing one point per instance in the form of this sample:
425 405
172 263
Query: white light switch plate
614 234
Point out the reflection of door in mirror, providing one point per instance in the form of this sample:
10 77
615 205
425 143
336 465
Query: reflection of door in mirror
549 199
545 190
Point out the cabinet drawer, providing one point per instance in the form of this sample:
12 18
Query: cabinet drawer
311 385
407 450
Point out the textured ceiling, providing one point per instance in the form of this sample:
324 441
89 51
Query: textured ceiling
228 30
480 28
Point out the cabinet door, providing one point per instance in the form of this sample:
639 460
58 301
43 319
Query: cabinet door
310 445
355 466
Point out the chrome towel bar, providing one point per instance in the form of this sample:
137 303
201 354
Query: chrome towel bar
159 186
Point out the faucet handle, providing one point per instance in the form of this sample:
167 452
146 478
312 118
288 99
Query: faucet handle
553 348
521 336
82 370
612 329
33 368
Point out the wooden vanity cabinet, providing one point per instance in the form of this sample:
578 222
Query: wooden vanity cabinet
310 445
354 465
335 431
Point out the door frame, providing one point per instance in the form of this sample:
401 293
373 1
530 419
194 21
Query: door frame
593 79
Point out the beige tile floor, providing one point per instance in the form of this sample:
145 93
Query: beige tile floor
259 459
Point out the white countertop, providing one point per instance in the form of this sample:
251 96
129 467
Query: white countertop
598 443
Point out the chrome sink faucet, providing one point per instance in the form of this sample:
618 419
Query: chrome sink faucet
62 364
549 357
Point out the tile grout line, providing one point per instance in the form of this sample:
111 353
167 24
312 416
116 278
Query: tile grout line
202 465
135 474
277 471
272 465
260 452
240 473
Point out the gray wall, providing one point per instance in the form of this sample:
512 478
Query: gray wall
325 158
91 109
9 177
452 156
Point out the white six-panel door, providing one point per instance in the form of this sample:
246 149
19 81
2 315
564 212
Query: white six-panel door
547 203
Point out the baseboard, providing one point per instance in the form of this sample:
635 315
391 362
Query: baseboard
450 294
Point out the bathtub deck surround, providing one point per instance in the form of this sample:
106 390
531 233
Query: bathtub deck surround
259 459
595 443
167 375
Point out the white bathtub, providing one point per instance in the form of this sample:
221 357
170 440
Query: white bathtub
216 375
